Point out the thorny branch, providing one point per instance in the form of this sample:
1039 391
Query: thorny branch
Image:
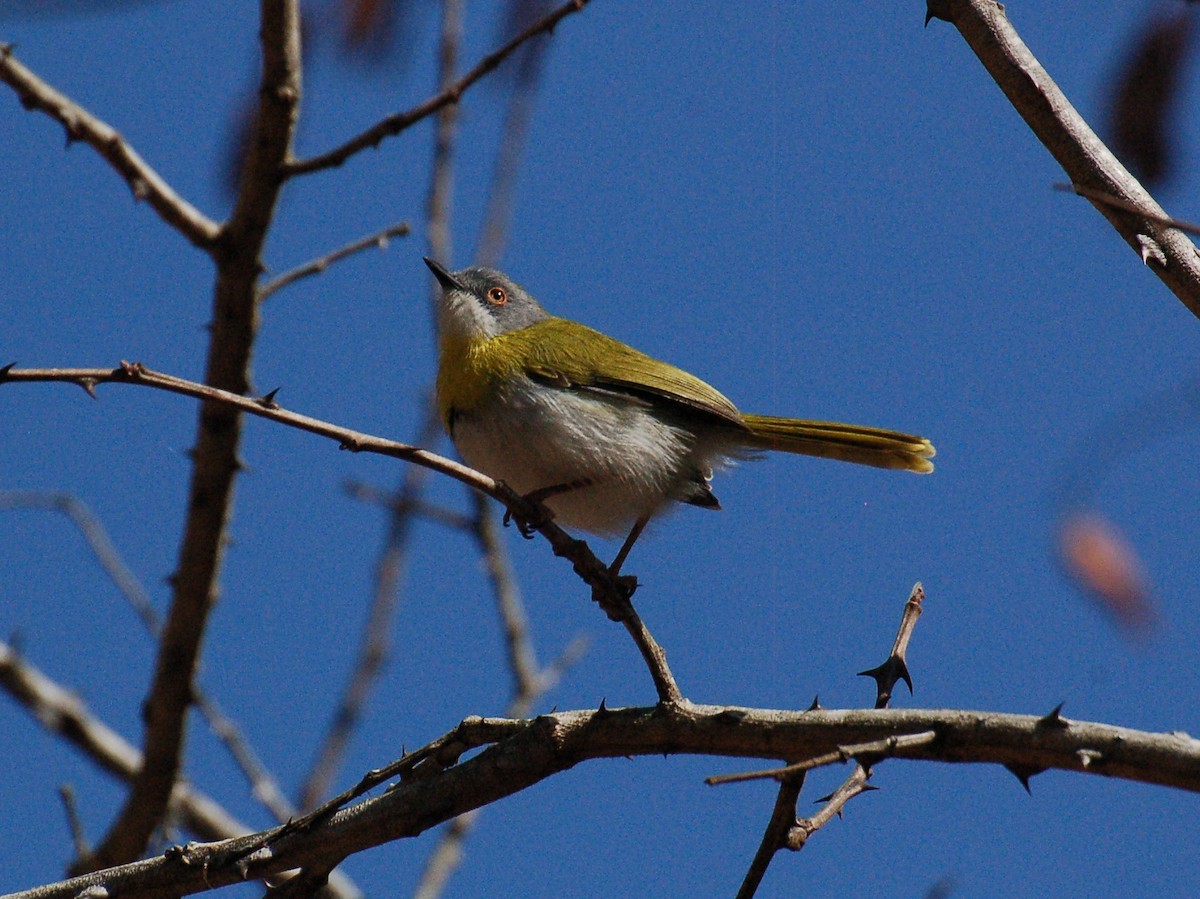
1093 169
395 124
437 783
145 183
611 593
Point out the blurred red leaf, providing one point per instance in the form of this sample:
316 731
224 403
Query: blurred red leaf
1105 565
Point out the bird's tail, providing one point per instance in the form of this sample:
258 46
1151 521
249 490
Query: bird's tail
849 443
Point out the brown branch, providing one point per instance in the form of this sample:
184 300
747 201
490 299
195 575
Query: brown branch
394 124
609 592
60 711
783 830
145 183
263 785
215 462
375 642
437 785
321 263
530 682
1087 161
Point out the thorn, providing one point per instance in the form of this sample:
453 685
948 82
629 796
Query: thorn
89 385
268 401
602 709
1088 756
1023 773
816 705
6 369
888 674
1054 719
869 788
1150 250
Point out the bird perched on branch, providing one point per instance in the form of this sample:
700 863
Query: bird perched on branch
604 436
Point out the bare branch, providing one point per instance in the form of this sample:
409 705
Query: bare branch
215 461
1084 157
317 266
436 784
145 183
395 124
375 642
783 831
609 592
263 785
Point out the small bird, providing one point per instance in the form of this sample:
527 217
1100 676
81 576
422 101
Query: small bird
603 436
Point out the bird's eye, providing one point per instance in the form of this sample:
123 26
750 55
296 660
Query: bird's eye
497 296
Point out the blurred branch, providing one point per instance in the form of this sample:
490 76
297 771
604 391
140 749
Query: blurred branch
145 183
263 785
529 683
375 642
232 332
317 266
611 593
1087 161
438 784
504 172
62 712
394 124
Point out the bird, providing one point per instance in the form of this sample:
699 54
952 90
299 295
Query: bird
601 435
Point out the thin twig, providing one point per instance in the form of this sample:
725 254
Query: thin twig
609 592
145 183
1117 203
394 124
321 263
783 830
1088 163
498 210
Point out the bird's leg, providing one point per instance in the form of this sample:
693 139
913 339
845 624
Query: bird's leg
537 499
638 526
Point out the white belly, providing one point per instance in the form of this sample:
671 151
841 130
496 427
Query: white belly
537 437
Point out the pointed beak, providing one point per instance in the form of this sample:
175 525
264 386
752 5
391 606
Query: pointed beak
447 280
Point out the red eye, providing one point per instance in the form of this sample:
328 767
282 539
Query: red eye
497 296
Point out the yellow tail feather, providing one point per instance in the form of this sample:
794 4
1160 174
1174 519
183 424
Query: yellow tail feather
849 443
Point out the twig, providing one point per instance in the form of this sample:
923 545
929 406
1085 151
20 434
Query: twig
375 642
779 825
145 183
321 263
609 592
872 751
1087 162
438 203
74 822
408 505
529 683
215 456
394 124
783 830
1117 203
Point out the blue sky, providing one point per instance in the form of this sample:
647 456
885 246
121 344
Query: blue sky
826 211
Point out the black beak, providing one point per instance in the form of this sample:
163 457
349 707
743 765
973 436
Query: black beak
447 280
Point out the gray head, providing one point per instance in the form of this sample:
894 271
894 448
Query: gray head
482 302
